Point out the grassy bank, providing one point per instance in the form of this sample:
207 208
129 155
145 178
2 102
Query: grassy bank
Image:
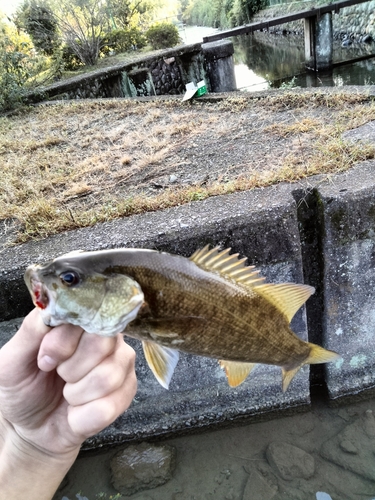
75 164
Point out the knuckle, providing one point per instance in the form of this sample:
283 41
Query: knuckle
106 380
129 355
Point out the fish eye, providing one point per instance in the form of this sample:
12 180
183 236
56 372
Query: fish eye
70 278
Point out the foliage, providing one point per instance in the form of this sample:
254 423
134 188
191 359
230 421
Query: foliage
18 64
163 35
244 10
38 20
222 13
82 23
123 40
215 13
70 60
291 84
126 13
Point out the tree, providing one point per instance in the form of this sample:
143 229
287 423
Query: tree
221 13
120 12
129 13
38 20
83 23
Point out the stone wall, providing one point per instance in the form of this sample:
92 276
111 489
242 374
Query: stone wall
356 21
164 73
321 233
166 76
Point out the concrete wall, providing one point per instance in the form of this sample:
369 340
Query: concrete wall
322 233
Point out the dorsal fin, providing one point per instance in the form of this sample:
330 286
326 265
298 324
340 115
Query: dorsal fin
286 297
227 265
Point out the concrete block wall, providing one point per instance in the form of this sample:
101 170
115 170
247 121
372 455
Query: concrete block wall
321 233
348 206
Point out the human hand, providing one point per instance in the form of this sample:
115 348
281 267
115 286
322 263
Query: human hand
58 387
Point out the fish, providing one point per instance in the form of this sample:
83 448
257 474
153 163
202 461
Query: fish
212 304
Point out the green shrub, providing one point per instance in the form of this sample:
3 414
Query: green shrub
123 40
163 35
17 66
71 61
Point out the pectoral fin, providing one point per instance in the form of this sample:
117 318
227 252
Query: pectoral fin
236 372
161 360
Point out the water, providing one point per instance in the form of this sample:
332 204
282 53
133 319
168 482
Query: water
236 464
264 61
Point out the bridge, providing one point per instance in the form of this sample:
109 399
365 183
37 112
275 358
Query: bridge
317 27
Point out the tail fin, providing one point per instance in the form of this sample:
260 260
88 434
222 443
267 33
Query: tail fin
317 355
320 355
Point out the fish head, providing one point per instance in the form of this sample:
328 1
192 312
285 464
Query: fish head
67 292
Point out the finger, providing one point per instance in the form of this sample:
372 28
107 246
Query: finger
58 345
90 352
90 418
104 379
22 349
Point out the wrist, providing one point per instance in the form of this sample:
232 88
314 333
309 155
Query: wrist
26 470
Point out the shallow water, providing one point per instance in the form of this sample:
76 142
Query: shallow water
264 60
235 463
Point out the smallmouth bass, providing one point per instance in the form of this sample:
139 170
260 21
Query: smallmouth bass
210 304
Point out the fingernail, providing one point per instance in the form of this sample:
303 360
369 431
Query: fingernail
46 363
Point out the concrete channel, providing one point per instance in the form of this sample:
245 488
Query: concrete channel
321 232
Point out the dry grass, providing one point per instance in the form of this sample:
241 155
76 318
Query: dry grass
72 165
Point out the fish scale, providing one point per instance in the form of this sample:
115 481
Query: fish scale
211 304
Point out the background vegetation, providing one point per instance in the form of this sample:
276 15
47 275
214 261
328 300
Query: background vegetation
221 13
44 39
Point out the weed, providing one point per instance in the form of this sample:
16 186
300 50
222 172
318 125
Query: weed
73 165
289 85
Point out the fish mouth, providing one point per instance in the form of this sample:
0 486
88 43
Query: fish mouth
37 289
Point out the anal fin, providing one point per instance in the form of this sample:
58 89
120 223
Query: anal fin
235 371
161 360
288 376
